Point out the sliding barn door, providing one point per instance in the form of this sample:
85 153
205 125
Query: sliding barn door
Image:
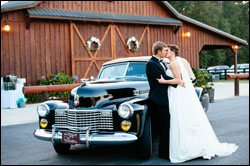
113 40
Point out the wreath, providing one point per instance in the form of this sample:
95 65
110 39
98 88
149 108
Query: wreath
133 39
95 40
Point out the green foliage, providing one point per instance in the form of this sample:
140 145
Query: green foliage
56 79
44 82
229 16
60 78
33 98
202 77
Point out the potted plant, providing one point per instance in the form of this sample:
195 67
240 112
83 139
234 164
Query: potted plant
21 102
204 79
210 89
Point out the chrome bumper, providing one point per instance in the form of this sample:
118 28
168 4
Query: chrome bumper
118 138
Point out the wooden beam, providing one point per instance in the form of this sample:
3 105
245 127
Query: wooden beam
149 46
236 80
112 42
142 35
72 49
176 29
88 69
123 41
28 20
239 76
49 88
104 36
82 40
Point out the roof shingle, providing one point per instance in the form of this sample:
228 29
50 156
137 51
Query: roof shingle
103 16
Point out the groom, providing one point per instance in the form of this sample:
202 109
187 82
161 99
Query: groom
158 95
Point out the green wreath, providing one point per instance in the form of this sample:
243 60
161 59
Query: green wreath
133 39
95 40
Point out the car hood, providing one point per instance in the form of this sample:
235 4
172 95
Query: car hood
102 93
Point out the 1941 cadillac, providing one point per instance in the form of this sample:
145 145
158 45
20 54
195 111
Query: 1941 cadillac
112 110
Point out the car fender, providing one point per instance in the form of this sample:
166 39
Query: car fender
141 107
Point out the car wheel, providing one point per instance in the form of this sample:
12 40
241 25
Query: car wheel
61 148
145 141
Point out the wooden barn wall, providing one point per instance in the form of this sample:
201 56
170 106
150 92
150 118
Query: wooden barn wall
45 48
41 50
113 43
144 8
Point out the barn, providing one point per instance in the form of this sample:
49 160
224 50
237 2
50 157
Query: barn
77 37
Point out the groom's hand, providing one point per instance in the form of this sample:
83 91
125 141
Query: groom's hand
181 83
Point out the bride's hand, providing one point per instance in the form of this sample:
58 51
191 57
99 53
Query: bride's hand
161 79
182 83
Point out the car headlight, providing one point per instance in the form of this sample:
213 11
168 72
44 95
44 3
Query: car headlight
43 123
125 125
125 111
42 110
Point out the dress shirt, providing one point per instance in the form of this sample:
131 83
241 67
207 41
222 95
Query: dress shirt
162 64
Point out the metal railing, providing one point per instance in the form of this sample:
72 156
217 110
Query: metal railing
223 73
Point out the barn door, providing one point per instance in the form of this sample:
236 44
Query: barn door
113 39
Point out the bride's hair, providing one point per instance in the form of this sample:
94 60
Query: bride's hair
174 48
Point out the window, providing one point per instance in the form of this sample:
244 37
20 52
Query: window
136 69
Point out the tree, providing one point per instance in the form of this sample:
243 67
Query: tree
229 16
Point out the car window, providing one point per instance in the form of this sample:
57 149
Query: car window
130 71
113 71
210 68
224 67
232 67
136 69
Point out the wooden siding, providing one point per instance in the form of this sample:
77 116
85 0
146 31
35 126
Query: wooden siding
113 37
52 46
41 50
143 8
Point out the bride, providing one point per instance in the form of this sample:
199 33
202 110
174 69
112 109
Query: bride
191 134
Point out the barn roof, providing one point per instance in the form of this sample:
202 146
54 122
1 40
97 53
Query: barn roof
200 24
17 5
60 14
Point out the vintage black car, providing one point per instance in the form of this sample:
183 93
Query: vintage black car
111 110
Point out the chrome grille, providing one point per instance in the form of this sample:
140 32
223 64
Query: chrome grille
77 121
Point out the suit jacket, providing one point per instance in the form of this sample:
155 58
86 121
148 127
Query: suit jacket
158 93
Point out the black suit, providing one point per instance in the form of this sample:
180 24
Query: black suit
158 95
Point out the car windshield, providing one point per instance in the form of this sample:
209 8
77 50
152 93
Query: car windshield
223 67
129 71
232 67
244 66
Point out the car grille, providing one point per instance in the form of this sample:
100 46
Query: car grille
77 121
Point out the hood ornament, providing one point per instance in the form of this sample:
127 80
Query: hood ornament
84 81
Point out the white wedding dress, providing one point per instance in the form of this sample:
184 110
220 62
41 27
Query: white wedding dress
191 134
